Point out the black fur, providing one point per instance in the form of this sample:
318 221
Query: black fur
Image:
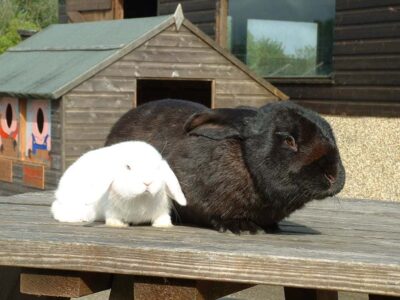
241 169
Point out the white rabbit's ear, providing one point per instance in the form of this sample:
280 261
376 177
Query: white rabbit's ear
172 184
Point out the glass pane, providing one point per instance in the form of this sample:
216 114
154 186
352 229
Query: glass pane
285 38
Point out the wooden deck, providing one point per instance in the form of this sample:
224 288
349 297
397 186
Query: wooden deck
335 245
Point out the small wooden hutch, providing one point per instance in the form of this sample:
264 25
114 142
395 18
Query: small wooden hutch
62 89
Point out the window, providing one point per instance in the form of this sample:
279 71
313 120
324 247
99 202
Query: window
285 38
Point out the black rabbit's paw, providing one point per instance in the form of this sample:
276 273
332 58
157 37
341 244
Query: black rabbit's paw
236 226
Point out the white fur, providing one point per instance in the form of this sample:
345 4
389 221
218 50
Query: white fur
124 183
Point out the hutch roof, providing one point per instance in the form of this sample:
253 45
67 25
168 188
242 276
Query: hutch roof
62 56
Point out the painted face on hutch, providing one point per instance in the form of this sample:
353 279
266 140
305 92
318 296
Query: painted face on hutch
9 116
38 129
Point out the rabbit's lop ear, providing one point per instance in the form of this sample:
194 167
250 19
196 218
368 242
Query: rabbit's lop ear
213 124
174 190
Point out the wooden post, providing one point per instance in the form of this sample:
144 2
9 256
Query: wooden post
149 288
213 290
122 287
381 297
292 293
63 283
352 296
10 286
221 26
118 7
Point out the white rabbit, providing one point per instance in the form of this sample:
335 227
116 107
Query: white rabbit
120 184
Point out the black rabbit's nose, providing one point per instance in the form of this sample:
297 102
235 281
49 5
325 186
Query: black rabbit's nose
331 178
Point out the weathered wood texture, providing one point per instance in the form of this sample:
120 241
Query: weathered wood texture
148 288
200 12
309 294
90 111
75 11
183 55
95 105
333 245
10 286
66 284
153 288
366 62
53 172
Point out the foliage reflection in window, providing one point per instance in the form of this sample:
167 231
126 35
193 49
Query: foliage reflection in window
285 38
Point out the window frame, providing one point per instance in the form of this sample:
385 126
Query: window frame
221 37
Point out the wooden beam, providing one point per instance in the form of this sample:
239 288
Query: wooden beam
154 288
6 170
382 297
215 290
352 296
63 283
149 288
221 23
10 286
122 287
75 17
118 8
292 293
88 5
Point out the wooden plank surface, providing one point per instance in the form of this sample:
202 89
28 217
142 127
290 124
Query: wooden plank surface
333 244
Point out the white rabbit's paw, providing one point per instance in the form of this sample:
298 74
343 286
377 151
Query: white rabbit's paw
116 223
162 221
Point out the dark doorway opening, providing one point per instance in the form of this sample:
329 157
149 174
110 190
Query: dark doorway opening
9 115
140 9
199 91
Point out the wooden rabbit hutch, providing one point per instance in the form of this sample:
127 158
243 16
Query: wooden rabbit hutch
62 89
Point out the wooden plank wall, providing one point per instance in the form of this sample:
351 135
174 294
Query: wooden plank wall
75 11
90 111
202 13
94 106
183 55
366 62
53 173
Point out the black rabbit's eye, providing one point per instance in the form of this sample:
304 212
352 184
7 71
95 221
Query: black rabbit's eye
128 167
289 140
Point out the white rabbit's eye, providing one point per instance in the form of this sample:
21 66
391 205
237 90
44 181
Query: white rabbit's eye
128 167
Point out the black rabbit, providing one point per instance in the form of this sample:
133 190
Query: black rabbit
241 169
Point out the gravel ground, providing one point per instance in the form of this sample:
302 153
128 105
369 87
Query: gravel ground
370 150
